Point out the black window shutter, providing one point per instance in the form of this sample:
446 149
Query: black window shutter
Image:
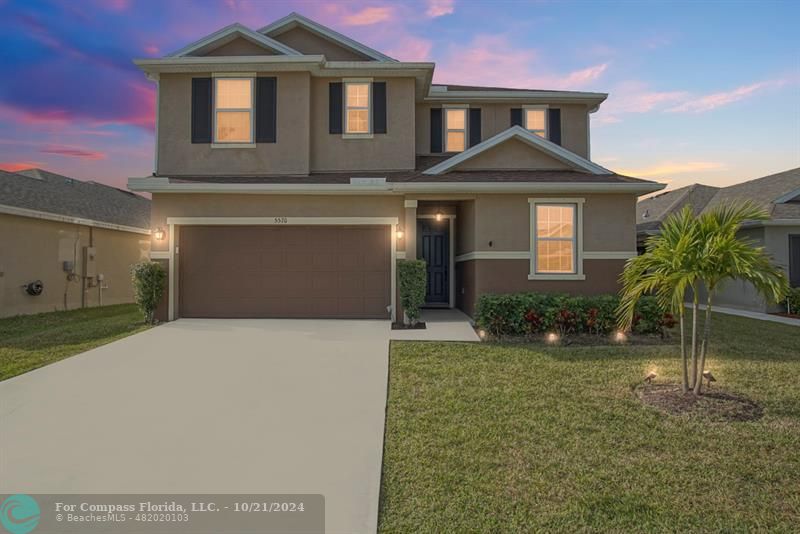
474 126
554 125
335 108
516 117
266 109
379 107
436 130
201 110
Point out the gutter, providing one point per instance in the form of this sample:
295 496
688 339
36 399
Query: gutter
34 214
163 185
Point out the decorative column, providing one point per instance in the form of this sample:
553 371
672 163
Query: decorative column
410 229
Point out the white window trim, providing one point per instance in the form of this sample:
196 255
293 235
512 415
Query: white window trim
465 107
544 107
252 110
368 134
578 274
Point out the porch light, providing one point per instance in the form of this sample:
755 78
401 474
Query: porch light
439 215
399 233
159 234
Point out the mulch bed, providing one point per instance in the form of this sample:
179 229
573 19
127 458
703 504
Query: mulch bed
784 314
713 405
587 340
400 326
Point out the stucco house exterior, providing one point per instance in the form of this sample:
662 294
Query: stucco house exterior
77 239
778 194
295 166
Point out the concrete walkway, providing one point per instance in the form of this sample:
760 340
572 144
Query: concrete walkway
209 406
753 315
442 325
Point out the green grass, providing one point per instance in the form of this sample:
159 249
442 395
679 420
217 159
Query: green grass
493 437
31 341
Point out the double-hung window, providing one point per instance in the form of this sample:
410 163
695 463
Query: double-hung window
536 120
455 124
357 108
555 238
233 110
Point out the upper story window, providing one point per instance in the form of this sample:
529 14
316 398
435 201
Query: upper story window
357 107
233 110
455 123
536 120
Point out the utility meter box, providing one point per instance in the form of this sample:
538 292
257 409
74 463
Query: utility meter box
89 261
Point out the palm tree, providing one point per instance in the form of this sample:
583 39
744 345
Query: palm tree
725 256
668 269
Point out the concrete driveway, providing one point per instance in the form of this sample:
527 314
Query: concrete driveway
209 406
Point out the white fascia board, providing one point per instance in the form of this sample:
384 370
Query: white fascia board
438 95
295 19
518 132
230 64
233 30
162 185
57 217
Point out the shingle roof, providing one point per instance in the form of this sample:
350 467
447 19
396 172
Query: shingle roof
40 190
762 191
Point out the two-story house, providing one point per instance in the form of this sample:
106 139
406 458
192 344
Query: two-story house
294 166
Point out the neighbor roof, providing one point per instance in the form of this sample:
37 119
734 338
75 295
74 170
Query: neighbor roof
651 212
47 192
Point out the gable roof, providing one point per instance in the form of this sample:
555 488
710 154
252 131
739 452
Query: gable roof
38 191
293 20
771 193
518 132
228 34
651 212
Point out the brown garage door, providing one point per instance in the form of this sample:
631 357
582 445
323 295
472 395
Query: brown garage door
284 271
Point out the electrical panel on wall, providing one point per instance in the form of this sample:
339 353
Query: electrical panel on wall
89 262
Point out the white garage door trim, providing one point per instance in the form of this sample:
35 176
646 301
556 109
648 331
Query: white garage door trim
392 222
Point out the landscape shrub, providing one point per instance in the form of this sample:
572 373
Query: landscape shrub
413 279
148 287
792 301
530 314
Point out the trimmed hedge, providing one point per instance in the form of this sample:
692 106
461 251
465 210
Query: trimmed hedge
149 280
525 314
412 276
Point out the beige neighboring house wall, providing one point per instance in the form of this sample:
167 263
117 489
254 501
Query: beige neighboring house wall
178 156
393 150
35 249
496 118
310 43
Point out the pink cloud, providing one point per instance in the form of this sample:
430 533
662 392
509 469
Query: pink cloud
439 8
715 100
14 166
369 15
73 152
493 60
411 48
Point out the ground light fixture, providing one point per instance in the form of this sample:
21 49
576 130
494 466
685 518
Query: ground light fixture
620 337
482 334
650 377
551 337
159 234
708 376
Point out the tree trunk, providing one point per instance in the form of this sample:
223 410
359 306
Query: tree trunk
706 333
695 312
684 361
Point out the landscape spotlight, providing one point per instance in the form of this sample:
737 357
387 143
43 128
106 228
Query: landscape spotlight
482 334
650 377
551 337
620 337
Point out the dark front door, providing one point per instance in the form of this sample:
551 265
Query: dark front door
794 260
433 246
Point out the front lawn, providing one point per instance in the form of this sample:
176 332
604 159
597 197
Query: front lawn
31 341
493 437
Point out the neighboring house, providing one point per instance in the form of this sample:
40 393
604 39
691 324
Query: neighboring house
294 165
778 194
78 239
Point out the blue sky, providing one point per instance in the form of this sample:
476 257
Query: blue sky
699 91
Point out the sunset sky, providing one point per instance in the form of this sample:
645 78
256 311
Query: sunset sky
699 91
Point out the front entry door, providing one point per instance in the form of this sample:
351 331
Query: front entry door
433 246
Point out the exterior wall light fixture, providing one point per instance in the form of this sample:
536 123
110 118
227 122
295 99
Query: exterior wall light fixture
159 234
